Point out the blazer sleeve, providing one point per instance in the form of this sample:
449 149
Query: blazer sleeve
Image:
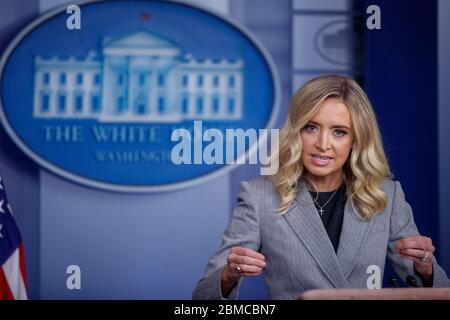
402 225
243 230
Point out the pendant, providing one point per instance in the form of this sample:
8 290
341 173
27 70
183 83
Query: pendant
321 211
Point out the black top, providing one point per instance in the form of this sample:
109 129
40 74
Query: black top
333 212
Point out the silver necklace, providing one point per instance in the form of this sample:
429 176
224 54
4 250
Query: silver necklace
321 207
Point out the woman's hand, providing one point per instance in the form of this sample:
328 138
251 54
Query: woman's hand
241 262
420 250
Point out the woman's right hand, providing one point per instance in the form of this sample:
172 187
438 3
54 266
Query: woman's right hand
241 262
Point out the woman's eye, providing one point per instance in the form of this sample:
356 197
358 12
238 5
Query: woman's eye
310 127
340 133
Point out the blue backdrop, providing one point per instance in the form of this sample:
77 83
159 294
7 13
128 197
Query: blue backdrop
400 76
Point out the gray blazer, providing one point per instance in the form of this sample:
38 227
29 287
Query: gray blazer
299 254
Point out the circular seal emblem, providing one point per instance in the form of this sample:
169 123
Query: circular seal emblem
98 104
335 42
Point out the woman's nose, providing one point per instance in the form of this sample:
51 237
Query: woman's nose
323 142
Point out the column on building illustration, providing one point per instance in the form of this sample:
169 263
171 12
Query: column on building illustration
140 64
42 105
210 89
163 75
84 82
141 77
139 71
116 81
66 88
182 91
115 87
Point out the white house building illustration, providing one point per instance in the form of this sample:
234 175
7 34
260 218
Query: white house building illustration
141 77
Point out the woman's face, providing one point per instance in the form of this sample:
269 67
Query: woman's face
327 140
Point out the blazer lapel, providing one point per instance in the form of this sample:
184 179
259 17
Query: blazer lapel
305 221
352 237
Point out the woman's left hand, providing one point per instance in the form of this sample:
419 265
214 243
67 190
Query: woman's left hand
419 249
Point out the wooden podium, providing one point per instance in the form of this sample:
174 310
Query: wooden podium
377 294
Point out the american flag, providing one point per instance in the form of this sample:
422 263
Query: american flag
12 271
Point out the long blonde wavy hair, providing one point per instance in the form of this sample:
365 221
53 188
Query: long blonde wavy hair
367 165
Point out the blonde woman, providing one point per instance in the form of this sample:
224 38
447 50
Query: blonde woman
330 212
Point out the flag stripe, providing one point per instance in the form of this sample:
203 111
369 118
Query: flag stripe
22 264
13 277
5 292
10 235
12 265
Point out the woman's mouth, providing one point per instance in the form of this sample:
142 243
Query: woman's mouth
320 160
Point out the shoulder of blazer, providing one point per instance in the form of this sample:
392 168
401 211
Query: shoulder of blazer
389 186
262 191
260 185
264 186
